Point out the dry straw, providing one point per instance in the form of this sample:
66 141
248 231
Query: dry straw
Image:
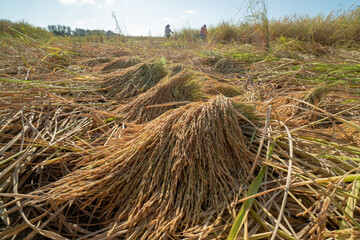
136 80
120 63
70 170
302 107
171 93
173 177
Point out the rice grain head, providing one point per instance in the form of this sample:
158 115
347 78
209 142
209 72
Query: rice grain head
181 88
177 173
138 79
120 63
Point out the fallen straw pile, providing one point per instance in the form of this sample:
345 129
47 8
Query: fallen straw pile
120 63
171 93
70 169
40 136
175 176
137 79
302 107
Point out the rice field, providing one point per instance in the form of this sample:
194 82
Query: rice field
149 138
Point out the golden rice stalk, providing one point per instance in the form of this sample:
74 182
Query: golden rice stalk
317 94
301 108
225 89
176 68
287 106
172 93
137 80
175 175
213 86
120 63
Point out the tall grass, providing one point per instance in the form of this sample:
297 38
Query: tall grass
8 28
237 32
338 28
188 34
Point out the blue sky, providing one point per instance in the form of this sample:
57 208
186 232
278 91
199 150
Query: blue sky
145 17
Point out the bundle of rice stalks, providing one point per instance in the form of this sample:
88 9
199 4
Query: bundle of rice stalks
223 63
136 80
96 61
120 63
213 86
116 52
292 48
302 107
172 93
287 106
226 65
177 175
225 89
176 68
316 95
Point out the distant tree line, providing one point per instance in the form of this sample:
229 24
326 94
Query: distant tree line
62 30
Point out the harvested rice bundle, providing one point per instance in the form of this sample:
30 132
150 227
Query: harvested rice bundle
96 61
120 63
168 95
302 107
176 68
175 176
316 95
214 87
225 89
136 80
287 106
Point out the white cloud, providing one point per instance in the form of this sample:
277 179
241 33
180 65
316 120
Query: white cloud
167 19
92 2
109 1
95 19
68 2
88 1
187 13
190 12
80 23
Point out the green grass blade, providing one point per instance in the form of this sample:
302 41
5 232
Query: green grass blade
339 157
270 227
270 151
240 218
351 204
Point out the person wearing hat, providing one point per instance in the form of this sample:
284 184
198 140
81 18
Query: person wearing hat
203 32
168 31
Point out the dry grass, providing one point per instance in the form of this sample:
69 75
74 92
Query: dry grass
303 107
212 85
136 80
174 176
120 63
171 93
71 169
338 28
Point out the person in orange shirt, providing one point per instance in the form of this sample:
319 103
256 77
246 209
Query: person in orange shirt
203 32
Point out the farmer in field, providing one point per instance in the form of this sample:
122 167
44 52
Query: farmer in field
203 32
168 31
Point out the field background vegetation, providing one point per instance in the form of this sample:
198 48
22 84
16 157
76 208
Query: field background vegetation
253 133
